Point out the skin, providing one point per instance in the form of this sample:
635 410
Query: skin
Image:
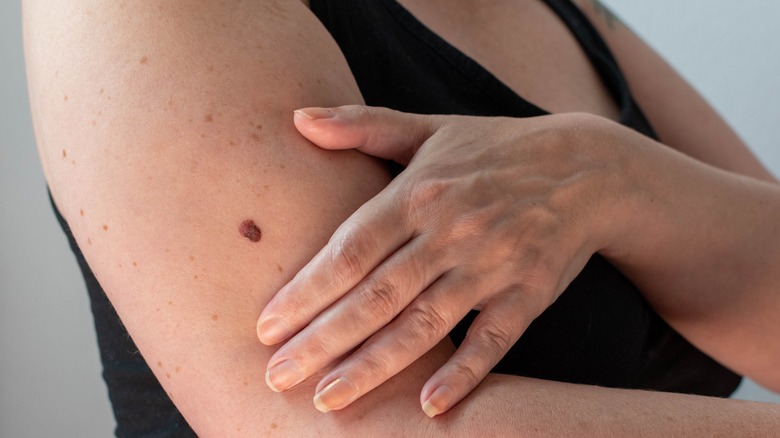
439 241
166 144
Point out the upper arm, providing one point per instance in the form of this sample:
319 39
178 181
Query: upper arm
679 114
162 127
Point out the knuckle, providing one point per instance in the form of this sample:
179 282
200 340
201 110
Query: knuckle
465 372
315 350
378 300
346 258
422 195
429 321
497 338
372 366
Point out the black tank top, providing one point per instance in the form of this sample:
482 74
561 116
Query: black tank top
600 331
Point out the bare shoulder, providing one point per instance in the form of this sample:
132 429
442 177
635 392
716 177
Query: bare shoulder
165 131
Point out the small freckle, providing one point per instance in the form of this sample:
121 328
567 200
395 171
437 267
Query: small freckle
300 85
208 118
231 143
255 137
274 425
157 309
282 166
105 227
168 375
93 123
189 120
159 363
192 258
73 162
89 242
81 212
144 60
266 187
64 153
214 317
279 268
135 264
178 369
65 98
259 127
170 303
195 277
102 90
249 229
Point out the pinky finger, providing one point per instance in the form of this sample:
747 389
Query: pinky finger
495 330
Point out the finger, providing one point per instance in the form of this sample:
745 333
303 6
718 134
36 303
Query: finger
419 328
361 243
381 132
495 330
364 310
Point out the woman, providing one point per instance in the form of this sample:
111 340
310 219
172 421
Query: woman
165 135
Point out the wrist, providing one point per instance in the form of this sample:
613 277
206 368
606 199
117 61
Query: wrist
622 191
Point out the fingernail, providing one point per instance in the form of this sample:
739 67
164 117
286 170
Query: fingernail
272 331
439 401
315 113
283 375
337 394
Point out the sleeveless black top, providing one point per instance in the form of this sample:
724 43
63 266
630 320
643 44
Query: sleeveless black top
600 330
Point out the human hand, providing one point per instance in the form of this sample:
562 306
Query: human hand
496 214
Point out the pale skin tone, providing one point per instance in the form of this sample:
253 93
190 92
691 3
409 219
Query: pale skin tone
701 243
157 149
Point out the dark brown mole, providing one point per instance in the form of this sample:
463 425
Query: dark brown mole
249 230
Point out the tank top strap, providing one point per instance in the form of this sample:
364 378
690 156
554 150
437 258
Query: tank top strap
603 61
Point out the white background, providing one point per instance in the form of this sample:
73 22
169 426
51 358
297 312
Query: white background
50 381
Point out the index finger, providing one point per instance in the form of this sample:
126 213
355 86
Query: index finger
368 237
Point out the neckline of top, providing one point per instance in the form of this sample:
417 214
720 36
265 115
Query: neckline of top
574 21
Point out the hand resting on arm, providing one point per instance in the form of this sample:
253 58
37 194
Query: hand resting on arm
398 245
513 221
162 128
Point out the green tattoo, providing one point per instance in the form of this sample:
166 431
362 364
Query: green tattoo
611 19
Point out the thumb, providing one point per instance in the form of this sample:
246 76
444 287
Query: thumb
380 132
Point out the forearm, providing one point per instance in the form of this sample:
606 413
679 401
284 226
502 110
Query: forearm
537 408
703 245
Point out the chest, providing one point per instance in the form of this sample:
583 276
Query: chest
525 45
